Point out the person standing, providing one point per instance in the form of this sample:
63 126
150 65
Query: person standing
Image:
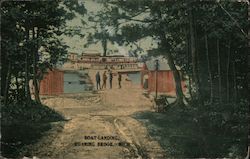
98 80
119 80
110 79
104 79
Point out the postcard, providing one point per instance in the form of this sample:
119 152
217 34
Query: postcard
124 79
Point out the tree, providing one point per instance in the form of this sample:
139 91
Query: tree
30 26
200 31
137 20
104 22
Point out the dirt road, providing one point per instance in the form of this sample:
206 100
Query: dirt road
99 126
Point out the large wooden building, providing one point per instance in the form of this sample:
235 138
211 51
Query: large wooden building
96 61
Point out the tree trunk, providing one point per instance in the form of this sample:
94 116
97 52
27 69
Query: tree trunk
104 46
27 77
7 86
4 70
188 61
228 67
194 58
209 70
35 49
219 69
234 81
248 118
17 87
177 78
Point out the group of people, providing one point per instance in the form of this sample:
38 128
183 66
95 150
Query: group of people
104 79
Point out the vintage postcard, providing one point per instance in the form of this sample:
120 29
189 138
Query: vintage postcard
124 79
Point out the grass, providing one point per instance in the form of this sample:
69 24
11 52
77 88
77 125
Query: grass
23 124
194 133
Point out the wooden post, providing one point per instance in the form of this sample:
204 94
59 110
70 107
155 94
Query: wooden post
156 83
156 77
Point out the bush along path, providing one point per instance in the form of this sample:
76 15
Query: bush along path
22 125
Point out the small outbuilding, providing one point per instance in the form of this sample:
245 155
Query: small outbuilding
52 83
163 76
56 82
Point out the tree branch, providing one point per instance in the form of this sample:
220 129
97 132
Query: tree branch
237 24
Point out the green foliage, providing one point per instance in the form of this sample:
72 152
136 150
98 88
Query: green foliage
210 130
19 120
16 136
29 29
132 33
103 23
21 112
24 124
76 6
204 128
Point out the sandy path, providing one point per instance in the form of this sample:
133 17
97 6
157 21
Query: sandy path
105 113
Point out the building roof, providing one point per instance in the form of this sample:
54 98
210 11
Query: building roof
73 53
115 56
163 64
90 51
91 54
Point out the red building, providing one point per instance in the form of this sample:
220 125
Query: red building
52 83
165 79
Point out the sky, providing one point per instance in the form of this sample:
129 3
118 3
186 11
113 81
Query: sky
76 43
